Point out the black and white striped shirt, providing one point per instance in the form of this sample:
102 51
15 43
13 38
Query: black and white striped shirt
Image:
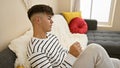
48 53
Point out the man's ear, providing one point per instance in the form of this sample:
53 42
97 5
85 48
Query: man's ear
37 20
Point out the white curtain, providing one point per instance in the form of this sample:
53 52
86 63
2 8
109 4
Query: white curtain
75 5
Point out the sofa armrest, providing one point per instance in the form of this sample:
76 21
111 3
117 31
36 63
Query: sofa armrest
92 24
7 58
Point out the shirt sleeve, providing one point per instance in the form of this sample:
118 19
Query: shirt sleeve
39 60
69 61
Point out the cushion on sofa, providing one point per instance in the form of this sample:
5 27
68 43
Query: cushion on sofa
78 25
70 15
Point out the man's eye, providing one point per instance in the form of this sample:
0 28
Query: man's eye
49 18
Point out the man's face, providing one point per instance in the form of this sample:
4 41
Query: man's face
46 22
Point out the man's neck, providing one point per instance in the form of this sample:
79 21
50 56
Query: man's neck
39 33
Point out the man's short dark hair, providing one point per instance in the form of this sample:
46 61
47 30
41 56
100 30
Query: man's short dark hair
39 9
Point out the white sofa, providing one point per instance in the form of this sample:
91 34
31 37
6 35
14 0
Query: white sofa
59 28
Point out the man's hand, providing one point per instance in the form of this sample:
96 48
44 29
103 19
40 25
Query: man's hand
75 49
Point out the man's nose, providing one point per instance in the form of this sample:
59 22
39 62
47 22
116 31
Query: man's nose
51 21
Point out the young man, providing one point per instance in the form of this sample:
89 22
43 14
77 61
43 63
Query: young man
45 51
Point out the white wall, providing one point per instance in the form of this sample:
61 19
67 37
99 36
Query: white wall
63 5
52 3
12 12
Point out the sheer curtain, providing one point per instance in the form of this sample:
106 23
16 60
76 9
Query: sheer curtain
75 5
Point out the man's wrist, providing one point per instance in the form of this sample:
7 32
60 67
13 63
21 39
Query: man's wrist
72 54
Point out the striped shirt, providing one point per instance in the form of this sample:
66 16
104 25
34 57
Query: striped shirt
48 53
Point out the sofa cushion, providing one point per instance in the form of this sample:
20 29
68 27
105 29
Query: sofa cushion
110 40
7 58
78 25
70 15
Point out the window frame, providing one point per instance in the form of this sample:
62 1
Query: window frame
111 15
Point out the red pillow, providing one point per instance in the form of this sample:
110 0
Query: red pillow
78 25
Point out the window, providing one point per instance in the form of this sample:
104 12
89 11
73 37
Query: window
101 10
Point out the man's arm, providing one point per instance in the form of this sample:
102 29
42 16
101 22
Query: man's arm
71 57
39 60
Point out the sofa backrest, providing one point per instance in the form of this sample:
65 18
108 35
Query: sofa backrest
92 24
